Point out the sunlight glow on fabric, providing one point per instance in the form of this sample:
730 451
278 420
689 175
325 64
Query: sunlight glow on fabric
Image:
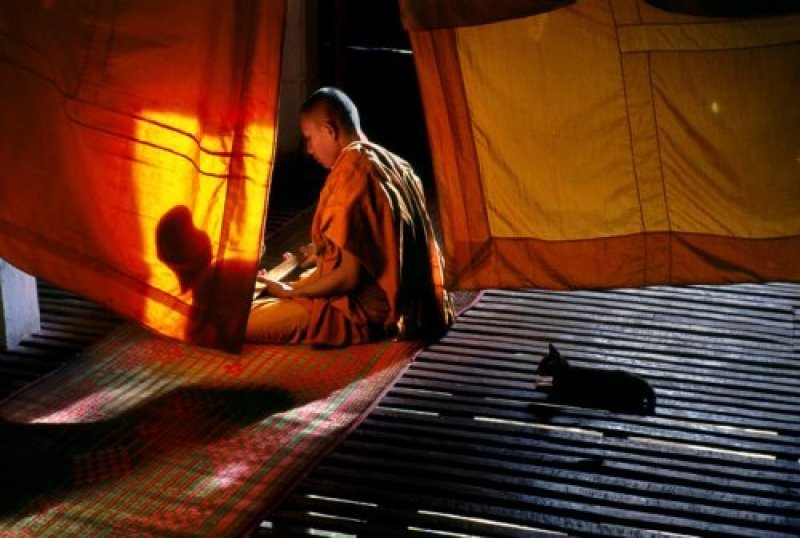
182 167
257 163
171 157
184 173
102 151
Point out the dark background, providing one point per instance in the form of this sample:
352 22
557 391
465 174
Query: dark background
365 51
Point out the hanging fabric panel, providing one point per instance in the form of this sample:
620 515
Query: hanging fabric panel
136 143
610 143
431 15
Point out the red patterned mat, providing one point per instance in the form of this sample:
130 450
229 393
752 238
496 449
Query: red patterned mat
145 436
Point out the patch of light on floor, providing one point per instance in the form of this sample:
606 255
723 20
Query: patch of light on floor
338 518
230 474
669 534
223 477
410 411
749 430
537 425
429 532
427 391
88 408
504 400
564 406
330 534
721 427
340 500
702 447
488 522
313 410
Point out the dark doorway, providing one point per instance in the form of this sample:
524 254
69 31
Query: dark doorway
366 51
363 49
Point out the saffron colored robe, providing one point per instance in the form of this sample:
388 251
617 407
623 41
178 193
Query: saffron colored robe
373 206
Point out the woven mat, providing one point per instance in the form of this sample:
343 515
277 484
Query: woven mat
145 436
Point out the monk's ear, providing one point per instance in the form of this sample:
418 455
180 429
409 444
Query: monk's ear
331 129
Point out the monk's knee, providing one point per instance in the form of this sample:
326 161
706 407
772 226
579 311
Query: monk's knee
277 321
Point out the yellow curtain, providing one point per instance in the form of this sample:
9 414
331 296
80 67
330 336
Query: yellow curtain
609 143
136 144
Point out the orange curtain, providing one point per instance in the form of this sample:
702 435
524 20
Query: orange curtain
610 143
136 144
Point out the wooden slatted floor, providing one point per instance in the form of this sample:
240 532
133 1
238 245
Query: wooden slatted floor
464 445
69 324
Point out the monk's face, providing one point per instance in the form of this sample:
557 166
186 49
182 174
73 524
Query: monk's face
320 139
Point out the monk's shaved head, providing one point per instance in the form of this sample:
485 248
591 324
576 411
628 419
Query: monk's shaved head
333 106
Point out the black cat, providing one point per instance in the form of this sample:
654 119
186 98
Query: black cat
614 390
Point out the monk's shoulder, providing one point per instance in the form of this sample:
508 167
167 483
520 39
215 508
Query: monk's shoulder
352 169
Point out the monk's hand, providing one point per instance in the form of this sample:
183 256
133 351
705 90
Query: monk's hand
261 276
278 289
307 256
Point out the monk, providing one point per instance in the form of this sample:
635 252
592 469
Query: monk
378 267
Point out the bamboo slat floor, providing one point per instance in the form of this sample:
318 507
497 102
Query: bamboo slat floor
465 445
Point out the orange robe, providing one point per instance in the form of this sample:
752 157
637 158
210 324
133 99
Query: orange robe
373 206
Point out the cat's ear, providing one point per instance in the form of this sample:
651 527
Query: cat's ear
553 351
